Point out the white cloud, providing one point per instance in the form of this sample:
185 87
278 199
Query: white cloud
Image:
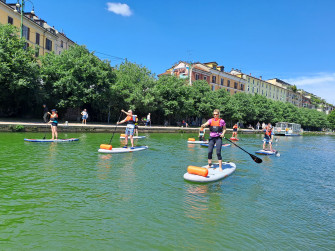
119 9
319 79
320 84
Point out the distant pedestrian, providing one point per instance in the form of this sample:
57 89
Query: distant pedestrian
148 119
263 125
45 113
258 125
84 116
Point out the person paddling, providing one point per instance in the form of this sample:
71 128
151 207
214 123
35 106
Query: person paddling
136 126
217 127
235 127
54 123
202 134
130 119
268 136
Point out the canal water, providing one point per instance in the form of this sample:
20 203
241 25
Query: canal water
67 196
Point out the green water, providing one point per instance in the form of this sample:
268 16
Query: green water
66 196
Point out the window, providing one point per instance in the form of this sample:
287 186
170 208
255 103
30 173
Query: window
235 92
228 83
38 38
235 85
197 76
214 79
61 44
227 90
205 78
213 87
253 81
222 81
10 20
248 87
26 46
48 44
252 89
262 92
26 32
242 87
37 51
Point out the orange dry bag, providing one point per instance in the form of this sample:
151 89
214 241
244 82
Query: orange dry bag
197 170
191 139
107 147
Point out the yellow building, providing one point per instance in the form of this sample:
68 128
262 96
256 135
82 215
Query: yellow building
224 80
37 32
255 85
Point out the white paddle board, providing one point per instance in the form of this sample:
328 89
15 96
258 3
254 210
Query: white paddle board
197 142
213 173
266 152
135 137
124 150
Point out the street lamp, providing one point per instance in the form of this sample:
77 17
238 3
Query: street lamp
18 5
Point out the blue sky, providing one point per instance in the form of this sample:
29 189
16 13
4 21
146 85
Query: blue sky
293 40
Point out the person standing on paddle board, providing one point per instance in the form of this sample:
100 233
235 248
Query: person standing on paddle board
217 127
268 136
136 126
202 134
130 119
54 123
235 127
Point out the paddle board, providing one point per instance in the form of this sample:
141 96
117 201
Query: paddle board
135 137
198 142
236 139
213 173
224 145
123 150
51 140
266 152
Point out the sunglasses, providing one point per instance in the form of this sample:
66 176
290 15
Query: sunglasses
215 114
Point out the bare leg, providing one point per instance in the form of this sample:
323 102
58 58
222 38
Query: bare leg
220 164
56 133
132 140
52 132
126 138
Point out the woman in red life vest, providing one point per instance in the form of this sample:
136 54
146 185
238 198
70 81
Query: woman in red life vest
268 136
130 119
235 131
217 129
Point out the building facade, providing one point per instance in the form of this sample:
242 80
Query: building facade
38 34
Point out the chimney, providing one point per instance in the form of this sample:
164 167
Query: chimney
260 77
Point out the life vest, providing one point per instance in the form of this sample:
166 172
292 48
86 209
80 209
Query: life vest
268 131
235 127
202 132
54 118
215 126
131 120
136 121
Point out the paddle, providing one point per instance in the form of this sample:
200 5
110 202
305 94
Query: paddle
115 129
255 158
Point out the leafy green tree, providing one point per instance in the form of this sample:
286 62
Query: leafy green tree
331 119
19 74
77 78
173 98
134 88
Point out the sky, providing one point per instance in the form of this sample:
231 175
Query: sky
293 40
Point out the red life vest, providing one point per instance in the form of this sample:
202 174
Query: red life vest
131 119
268 131
235 127
215 126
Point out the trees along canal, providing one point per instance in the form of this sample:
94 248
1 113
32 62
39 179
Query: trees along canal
77 78
19 71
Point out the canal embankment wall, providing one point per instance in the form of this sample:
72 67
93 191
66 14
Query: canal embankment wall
12 126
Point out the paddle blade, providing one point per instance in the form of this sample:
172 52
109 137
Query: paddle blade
256 159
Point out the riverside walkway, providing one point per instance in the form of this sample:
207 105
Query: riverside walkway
26 126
